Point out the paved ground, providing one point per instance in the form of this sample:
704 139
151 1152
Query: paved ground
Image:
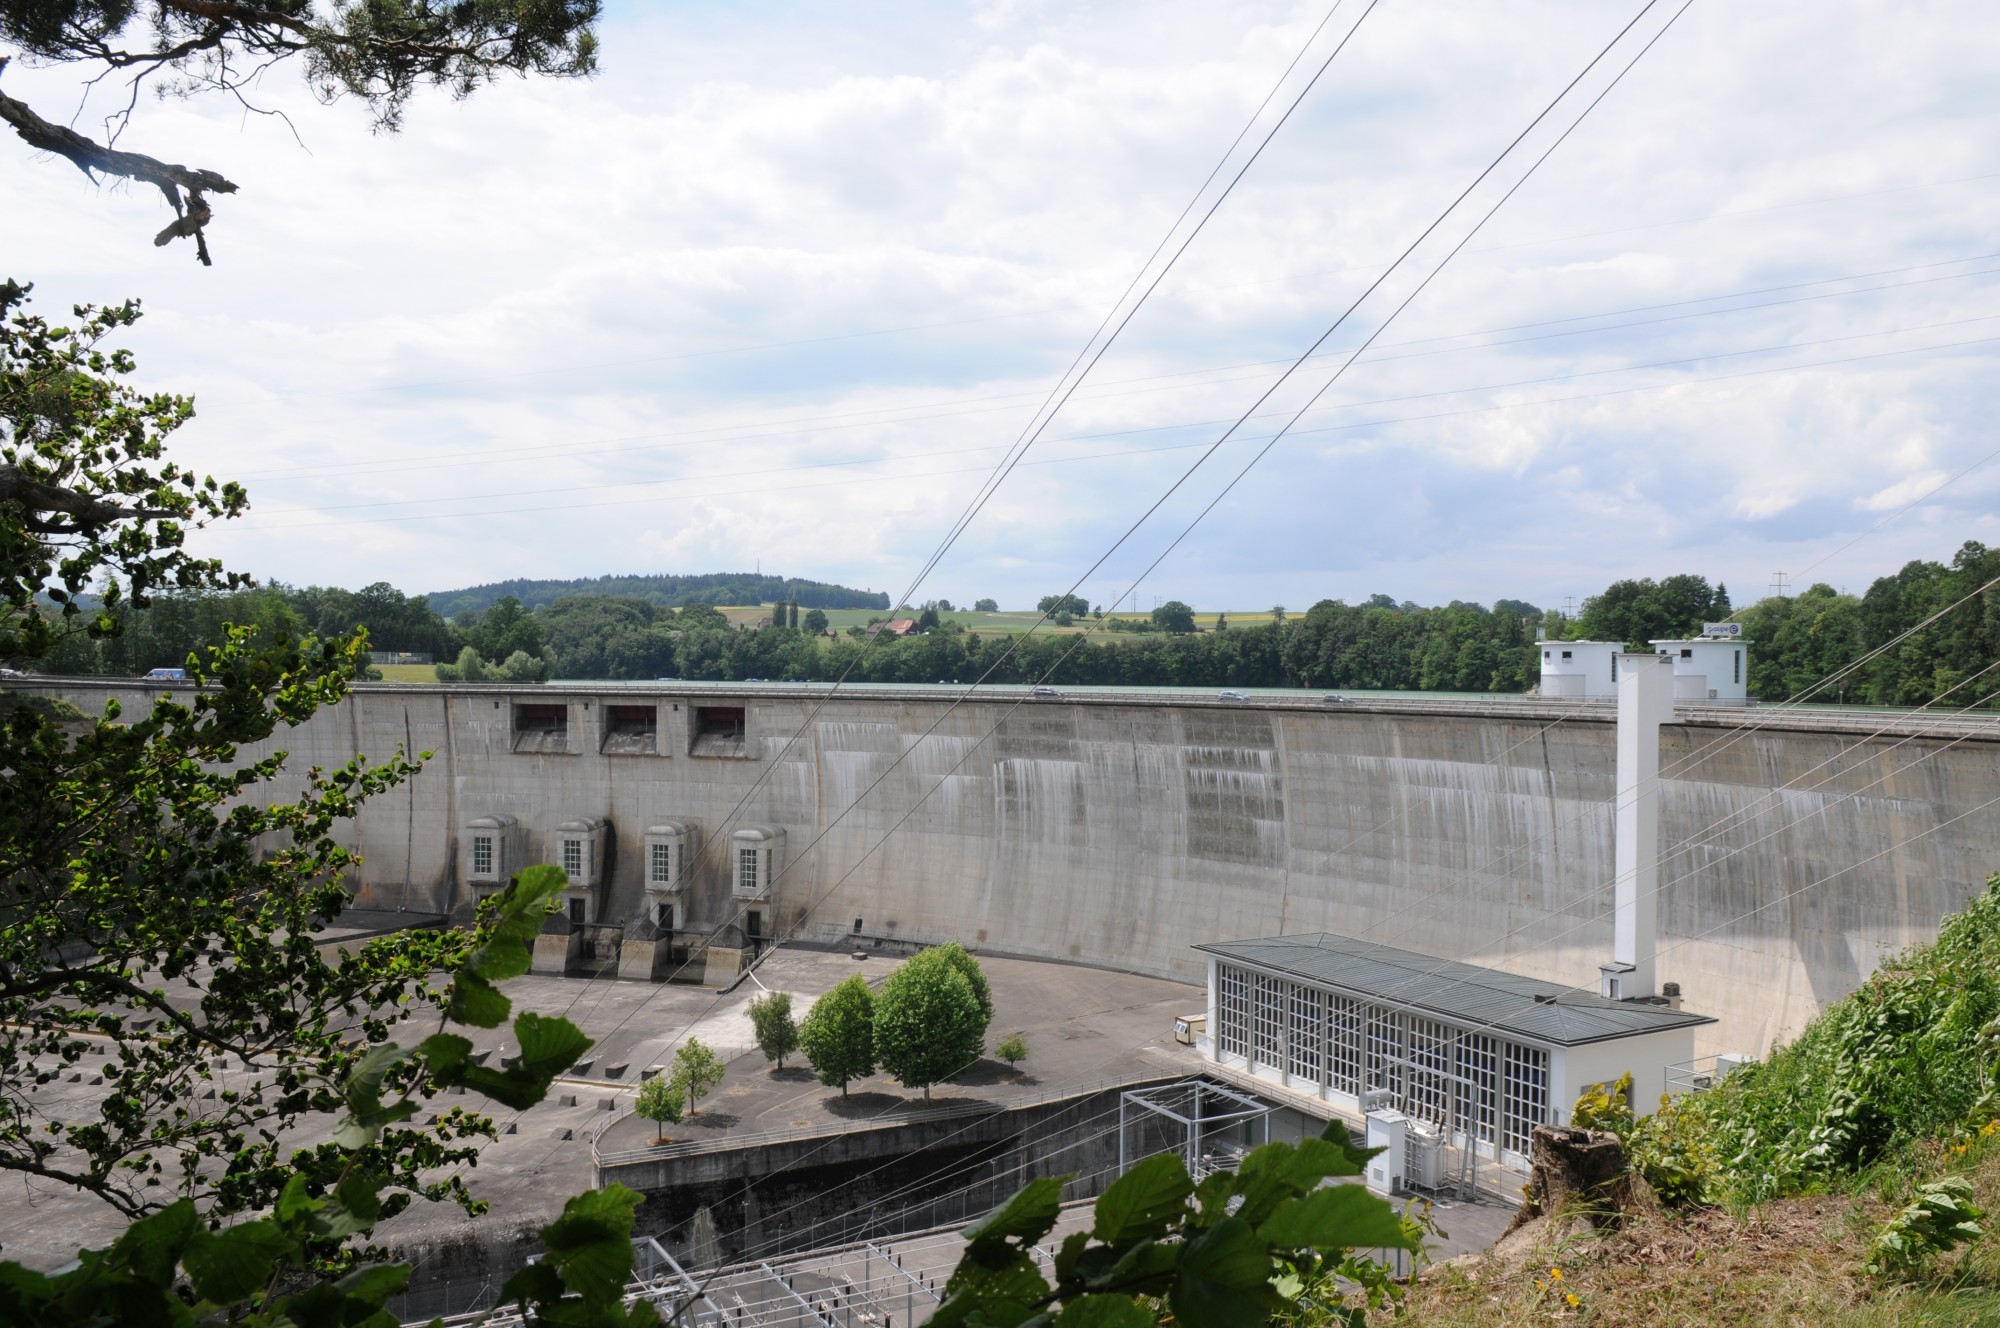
1084 1026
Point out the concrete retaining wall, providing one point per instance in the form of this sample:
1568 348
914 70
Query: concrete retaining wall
1119 831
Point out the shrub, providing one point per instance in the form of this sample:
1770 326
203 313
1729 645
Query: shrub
1013 1049
1939 1218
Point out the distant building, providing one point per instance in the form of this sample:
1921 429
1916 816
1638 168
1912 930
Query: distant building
894 627
1711 668
1580 670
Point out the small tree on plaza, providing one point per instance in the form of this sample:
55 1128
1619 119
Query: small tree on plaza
661 1101
771 1020
929 1023
838 1036
696 1070
1013 1049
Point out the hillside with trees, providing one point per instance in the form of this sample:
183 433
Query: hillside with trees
1378 644
666 591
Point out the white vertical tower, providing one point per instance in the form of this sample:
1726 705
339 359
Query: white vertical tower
1645 701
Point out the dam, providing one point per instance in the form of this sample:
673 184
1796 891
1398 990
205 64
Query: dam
1798 847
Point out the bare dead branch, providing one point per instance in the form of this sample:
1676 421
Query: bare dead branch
93 159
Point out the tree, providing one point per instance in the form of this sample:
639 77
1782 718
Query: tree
1012 1049
377 52
927 620
1076 606
929 1024
815 622
986 606
292 1266
975 977
159 892
1174 616
1642 611
696 1071
771 1020
1221 622
838 1035
662 1100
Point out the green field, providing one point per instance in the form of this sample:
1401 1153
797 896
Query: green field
1005 621
408 672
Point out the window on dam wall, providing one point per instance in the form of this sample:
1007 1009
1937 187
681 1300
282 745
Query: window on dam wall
631 730
719 731
540 727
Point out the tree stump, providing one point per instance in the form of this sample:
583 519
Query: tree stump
1584 1174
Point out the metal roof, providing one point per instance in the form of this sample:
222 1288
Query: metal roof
1463 994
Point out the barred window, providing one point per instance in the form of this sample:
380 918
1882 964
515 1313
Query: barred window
1232 1010
1269 1031
660 863
482 855
1524 1102
572 860
1477 1070
1343 1044
746 869
1385 1053
1308 1033
1430 1095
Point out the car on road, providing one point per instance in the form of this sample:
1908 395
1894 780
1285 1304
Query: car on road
1231 696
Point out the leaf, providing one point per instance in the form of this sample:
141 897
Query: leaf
374 1283
549 1045
444 1055
1019 1279
1066 1257
476 1004
1336 1217
592 1243
1144 1269
152 1246
236 1262
1224 1279
1145 1201
1103 1312
1026 1218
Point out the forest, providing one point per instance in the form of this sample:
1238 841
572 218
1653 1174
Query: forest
1877 648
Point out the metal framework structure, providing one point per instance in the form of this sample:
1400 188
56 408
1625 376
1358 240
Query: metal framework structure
1202 1113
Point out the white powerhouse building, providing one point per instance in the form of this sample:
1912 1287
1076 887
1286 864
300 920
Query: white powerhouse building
1710 669
1475 1052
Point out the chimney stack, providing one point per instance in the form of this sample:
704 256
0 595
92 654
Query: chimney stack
1645 701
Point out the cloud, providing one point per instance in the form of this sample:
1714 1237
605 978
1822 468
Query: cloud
786 290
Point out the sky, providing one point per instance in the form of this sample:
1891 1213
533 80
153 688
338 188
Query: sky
783 284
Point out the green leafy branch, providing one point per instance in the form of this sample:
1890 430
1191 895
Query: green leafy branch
1234 1251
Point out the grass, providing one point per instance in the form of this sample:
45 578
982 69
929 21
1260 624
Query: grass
408 672
1794 1261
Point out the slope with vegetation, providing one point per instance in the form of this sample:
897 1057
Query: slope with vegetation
1844 1180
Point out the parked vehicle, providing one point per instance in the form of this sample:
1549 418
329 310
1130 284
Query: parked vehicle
166 675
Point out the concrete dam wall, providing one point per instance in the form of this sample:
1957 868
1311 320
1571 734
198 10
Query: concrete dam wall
1798 847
